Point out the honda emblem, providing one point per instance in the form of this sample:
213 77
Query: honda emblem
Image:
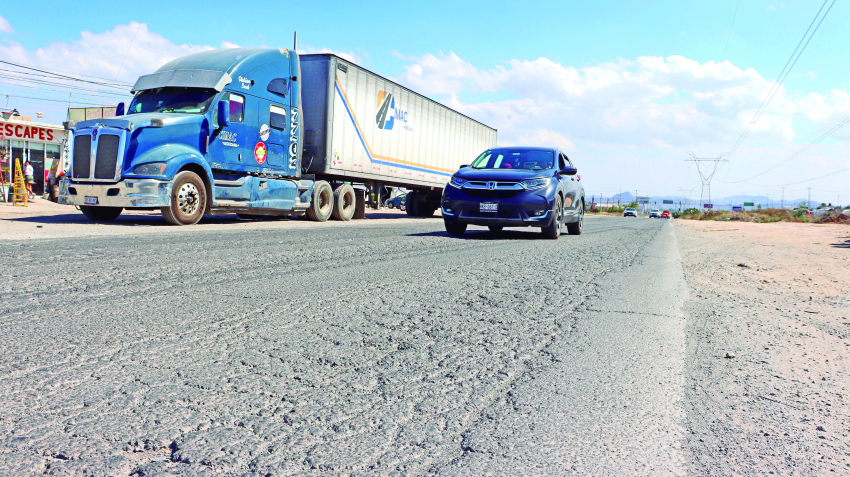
491 185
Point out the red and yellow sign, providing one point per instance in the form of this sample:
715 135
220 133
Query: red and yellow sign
30 133
260 152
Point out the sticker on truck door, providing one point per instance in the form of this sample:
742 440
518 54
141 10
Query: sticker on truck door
260 152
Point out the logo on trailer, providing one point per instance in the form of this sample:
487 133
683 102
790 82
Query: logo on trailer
387 111
260 152
264 132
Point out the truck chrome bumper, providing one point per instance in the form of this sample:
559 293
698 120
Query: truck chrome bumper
127 193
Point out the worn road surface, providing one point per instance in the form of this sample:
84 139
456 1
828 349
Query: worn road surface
381 348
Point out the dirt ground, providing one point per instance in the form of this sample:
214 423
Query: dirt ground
769 336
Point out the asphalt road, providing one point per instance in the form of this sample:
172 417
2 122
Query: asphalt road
323 350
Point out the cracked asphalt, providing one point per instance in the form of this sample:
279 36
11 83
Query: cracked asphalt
382 348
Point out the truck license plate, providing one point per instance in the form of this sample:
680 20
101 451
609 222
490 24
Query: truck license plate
89 200
492 207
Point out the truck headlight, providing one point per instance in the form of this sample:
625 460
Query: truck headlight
531 184
457 182
150 169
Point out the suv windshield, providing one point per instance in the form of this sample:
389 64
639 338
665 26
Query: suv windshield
515 158
172 100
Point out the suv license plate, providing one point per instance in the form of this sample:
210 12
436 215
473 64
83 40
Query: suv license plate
89 200
489 207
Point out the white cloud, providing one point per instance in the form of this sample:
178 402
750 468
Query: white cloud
5 26
123 53
348 55
642 108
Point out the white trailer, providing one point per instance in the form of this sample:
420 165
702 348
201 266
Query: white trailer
363 128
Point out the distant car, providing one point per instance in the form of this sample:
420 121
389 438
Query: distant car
654 213
396 202
630 212
665 214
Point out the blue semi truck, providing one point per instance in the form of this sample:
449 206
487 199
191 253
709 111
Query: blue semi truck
261 132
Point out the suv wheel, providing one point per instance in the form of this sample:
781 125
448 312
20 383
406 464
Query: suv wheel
553 230
575 227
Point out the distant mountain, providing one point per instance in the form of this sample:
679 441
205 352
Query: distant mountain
724 203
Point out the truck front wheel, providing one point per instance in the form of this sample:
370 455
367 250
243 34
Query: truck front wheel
188 200
344 202
101 214
323 202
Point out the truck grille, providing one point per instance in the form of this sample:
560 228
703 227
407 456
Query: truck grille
106 157
82 156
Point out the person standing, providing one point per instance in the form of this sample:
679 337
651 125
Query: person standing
29 178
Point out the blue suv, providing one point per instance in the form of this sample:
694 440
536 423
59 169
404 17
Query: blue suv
516 187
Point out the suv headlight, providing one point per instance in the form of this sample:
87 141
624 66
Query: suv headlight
150 169
457 182
531 184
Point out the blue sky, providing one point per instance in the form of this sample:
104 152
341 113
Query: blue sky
494 54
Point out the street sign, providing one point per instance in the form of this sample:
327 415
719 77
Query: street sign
666 201
748 204
737 208
643 200
707 206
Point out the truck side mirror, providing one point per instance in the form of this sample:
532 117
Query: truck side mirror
223 113
570 171
119 111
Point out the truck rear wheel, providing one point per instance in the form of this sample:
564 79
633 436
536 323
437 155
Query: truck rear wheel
322 204
410 204
188 200
344 203
101 214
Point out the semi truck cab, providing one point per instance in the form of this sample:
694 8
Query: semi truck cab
213 132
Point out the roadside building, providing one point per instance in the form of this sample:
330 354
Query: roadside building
41 144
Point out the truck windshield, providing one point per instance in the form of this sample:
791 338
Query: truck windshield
515 158
172 100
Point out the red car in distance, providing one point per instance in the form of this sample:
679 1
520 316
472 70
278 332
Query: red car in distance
665 214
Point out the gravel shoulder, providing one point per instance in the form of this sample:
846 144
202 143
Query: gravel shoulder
768 328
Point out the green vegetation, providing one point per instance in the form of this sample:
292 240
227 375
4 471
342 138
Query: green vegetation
764 216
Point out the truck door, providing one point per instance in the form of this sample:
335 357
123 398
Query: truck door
229 147
274 132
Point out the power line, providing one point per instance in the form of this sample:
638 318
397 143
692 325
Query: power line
113 85
782 75
729 35
48 71
807 180
55 100
57 91
61 85
796 154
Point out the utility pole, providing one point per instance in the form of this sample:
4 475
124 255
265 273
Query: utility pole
809 200
783 197
708 164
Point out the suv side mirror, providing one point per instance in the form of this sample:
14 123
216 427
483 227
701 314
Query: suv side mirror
223 113
463 165
570 171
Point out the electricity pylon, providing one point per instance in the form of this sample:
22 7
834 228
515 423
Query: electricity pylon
708 164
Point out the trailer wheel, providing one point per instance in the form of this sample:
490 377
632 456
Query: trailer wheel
410 204
188 200
322 203
101 214
344 202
